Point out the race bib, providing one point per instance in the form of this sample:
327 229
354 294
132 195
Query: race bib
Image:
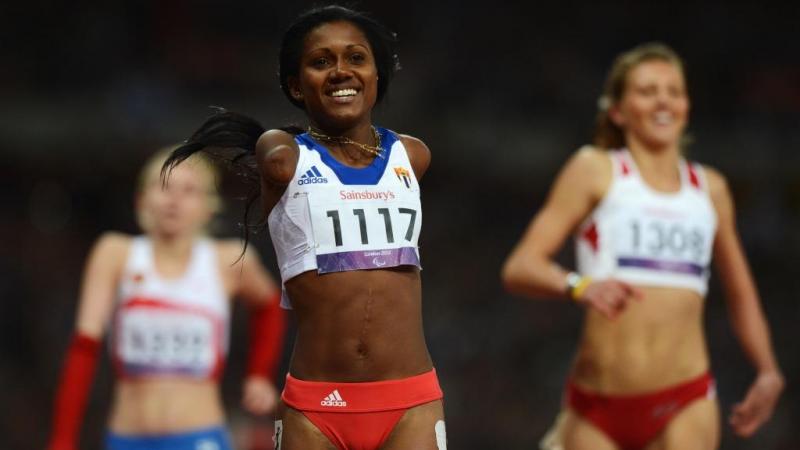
159 340
662 243
364 230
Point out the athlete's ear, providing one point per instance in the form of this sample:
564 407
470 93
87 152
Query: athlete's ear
137 201
142 216
616 115
294 88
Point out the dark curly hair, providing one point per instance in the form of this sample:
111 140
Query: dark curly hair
382 40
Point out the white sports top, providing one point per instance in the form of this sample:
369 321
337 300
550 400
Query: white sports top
334 218
645 237
170 327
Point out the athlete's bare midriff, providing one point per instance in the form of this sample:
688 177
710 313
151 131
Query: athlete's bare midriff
655 343
358 326
164 406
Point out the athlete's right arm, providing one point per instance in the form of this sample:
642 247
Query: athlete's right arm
100 279
277 154
530 269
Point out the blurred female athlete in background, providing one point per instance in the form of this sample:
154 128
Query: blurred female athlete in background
646 223
343 200
164 297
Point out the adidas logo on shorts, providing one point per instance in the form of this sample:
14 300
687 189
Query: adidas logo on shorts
333 399
312 176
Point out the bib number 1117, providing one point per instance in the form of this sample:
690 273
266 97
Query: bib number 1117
362 224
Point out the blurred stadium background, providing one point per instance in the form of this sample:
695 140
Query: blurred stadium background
502 94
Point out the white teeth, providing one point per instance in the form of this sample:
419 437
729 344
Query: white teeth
663 117
343 93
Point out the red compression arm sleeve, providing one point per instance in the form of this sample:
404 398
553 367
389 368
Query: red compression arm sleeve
73 391
267 327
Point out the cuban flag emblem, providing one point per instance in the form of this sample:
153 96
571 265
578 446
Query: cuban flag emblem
403 175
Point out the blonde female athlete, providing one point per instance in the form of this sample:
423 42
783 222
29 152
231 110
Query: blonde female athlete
646 223
164 299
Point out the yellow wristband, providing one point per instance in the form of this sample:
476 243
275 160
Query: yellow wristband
580 288
577 284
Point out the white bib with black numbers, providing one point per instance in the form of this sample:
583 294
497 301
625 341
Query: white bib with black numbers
335 218
646 237
175 327
153 336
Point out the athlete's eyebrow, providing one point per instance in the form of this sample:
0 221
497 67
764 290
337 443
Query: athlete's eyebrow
347 47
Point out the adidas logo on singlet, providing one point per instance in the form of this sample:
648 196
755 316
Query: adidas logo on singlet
312 176
333 399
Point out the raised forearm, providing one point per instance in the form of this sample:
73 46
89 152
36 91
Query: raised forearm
752 330
534 276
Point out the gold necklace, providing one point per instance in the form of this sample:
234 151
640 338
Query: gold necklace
375 150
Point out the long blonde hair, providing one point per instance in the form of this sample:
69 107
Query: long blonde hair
607 135
152 168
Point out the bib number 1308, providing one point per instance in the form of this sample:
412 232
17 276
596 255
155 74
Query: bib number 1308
370 219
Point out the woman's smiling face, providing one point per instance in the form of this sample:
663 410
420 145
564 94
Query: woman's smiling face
337 81
654 107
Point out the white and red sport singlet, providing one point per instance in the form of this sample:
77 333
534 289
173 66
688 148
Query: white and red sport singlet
170 327
334 218
646 237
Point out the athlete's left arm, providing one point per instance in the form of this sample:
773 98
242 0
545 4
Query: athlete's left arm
747 317
253 283
267 326
419 155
